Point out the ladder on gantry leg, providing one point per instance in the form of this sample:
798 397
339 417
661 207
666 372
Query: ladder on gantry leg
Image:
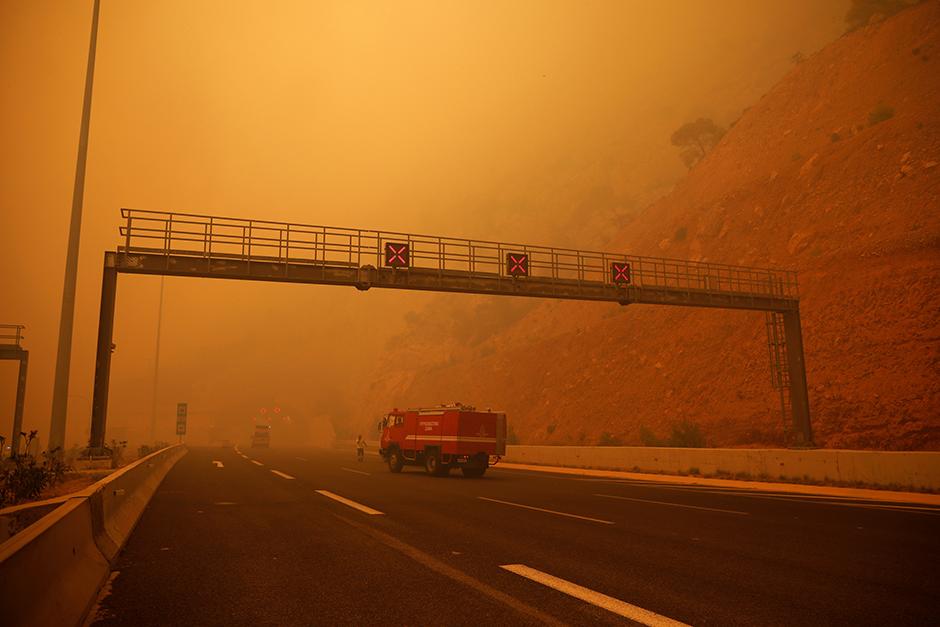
779 370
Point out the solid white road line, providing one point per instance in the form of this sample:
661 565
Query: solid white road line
710 509
218 464
282 474
824 499
912 509
547 511
256 462
622 608
358 472
352 504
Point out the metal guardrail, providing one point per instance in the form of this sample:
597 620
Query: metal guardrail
212 237
11 334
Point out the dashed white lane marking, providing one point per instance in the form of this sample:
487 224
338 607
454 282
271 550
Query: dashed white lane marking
282 474
218 464
710 509
548 511
622 608
352 504
256 462
358 472
303 459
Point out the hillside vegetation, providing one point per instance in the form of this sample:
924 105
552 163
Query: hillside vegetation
834 173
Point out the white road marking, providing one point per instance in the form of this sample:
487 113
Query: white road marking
710 509
795 497
303 459
352 504
547 511
446 570
359 472
622 608
218 464
256 462
282 474
911 509
225 503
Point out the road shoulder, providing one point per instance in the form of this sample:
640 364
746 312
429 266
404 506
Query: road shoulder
762 486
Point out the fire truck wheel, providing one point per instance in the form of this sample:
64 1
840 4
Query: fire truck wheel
395 462
473 471
433 465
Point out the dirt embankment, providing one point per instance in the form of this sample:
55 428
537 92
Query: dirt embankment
835 173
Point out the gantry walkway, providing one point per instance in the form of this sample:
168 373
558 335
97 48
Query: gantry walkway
206 246
179 244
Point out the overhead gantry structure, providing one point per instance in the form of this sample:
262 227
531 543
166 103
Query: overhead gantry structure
178 244
11 348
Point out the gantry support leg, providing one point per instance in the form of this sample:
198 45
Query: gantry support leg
20 403
99 404
796 366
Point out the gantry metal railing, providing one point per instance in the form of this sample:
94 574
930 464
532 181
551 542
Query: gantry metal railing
184 244
213 237
11 334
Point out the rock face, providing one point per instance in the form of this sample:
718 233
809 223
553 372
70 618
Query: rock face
855 210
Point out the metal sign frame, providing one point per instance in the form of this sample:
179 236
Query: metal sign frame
192 245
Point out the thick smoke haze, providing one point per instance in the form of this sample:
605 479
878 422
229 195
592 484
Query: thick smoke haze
455 118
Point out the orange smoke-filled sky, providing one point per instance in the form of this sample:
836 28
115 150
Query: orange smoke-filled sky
503 120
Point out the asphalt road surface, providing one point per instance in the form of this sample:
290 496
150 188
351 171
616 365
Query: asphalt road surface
313 537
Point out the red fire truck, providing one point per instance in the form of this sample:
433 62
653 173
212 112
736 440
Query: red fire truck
443 437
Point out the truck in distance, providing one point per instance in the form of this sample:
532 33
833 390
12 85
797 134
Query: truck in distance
443 437
261 438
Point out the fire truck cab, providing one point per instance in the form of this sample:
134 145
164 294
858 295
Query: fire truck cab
443 437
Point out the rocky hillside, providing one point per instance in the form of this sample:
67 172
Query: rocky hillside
835 173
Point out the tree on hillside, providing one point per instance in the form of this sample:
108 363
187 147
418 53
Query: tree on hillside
861 11
695 139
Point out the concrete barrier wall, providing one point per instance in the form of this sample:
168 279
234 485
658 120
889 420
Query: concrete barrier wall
125 494
918 470
50 572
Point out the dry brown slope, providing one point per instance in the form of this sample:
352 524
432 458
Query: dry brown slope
802 180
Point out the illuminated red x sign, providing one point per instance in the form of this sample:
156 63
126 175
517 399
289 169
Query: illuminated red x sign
396 255
517 264
620 273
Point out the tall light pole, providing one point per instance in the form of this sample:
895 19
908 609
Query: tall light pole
60 388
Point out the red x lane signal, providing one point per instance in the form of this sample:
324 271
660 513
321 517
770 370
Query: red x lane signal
396 255
620 273
517 264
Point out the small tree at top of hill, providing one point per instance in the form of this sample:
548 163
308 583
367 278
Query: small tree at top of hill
861 11
695 139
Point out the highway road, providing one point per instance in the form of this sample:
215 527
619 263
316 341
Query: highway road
313 537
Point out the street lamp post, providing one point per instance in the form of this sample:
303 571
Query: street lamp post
64 355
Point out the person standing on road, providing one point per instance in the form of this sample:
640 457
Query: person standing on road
360 448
